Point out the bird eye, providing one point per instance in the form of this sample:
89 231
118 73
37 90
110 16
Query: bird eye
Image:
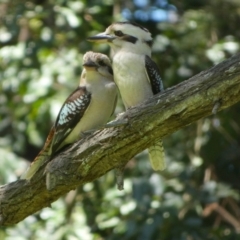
101 63
118 33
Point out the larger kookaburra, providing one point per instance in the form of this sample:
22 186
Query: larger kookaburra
88 107
135 73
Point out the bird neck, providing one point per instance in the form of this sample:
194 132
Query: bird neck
137 48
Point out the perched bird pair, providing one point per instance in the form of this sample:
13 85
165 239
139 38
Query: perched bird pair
92 103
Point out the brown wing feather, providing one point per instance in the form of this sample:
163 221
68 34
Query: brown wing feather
153 75
69 115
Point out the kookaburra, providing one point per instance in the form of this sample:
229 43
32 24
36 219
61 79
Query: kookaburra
135 73
90 106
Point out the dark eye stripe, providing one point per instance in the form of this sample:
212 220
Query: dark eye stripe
101 63
130 38
118 33
149 43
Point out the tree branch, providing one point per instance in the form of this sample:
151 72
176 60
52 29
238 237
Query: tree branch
94 155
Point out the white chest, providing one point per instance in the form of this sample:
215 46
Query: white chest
99 111
131 79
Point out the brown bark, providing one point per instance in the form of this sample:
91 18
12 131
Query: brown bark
94 155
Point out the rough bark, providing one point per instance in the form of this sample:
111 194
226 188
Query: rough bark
94 155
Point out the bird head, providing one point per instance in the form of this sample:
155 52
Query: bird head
127 36
97 62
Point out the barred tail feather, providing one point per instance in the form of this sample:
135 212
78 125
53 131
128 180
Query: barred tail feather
41 158
157 156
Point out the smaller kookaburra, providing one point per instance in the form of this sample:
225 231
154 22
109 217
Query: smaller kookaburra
90 106
135 73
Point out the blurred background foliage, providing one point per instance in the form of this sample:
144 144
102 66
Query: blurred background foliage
197 196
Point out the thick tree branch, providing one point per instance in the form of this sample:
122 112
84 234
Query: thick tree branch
91 157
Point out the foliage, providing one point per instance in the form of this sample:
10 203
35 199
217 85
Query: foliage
196 197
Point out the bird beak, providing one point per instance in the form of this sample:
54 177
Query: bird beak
101 38
89 65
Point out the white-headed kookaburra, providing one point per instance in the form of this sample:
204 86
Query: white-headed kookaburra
135 73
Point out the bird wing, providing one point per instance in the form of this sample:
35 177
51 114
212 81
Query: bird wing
153 75
69 115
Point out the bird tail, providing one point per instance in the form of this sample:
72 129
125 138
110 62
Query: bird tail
35 165
40 159
157 156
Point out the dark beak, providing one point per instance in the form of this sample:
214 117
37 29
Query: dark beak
101 38
90 64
